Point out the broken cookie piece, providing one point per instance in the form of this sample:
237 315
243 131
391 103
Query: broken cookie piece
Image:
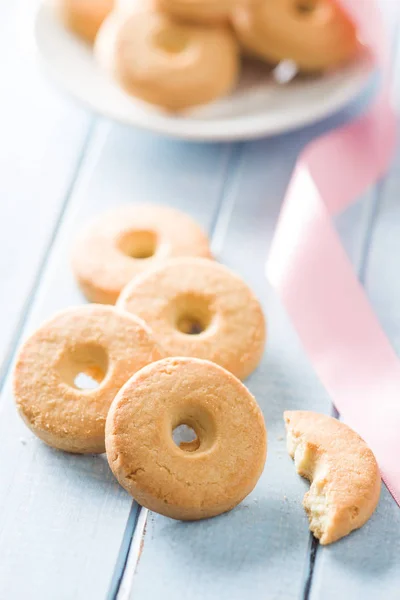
344 475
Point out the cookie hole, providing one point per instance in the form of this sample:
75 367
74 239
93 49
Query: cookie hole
305 7
172 40
84 381
285 72
193 426
192 314
186 438
190 325
84 367
138 243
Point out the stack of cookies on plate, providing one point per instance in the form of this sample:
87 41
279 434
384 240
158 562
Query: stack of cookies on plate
177 54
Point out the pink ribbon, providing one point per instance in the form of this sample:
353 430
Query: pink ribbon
313 276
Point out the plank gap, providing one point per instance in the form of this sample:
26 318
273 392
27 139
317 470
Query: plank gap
361 269
124 552
231 166
79 510
312 557
129 554
133 557
227 198
369 231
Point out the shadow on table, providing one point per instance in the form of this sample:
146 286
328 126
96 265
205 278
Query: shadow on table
250 535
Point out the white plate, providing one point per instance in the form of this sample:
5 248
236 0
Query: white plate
259 107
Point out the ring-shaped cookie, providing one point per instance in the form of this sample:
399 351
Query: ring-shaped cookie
167 63
126 241
197 307
188 481
197 11
98 341
315 34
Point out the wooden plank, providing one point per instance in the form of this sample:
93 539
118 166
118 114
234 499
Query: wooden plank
261 549
63 517
42 136
366 565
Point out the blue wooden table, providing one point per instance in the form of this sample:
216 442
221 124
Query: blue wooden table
67 530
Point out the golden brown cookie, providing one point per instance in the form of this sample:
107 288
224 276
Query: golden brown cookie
315 34
197 11
98 341
344 475
197 307
84 17
166 63
192 481
129 240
